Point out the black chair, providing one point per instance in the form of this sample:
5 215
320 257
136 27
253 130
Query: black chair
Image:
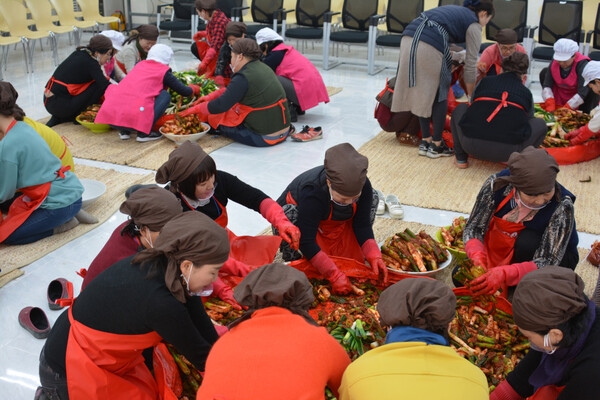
593 39
227 6
310 15
398 15
180 24
559 19
265 14
508 14
356 15
450 3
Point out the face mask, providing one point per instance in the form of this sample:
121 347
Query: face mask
149 240
207 291
546 344
518 199
205 201
341 204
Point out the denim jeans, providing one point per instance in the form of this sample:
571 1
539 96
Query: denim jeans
160 105
41 224
54 386
243 135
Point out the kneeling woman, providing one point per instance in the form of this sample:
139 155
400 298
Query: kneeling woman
253 110
94 349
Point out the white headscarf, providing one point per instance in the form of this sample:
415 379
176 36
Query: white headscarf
160 53
267 35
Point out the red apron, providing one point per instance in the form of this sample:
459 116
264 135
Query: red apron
251 250
500 239
22 207
549 392
103 365
237 114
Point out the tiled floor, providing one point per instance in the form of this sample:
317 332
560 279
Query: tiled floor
347 118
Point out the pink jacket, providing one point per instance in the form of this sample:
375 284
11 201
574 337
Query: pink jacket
307 80
130 104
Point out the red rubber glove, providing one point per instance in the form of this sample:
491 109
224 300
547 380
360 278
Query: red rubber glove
200 109
273 213
495 278
195 89
213 95
208 57
325 265
199 35
373 255
219 80
224 292
505 392
475 250
235 267
550 104
579 135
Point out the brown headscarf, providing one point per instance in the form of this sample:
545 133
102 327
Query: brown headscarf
418 302
346 169
506 36
248 48
181 163
8 99
152 207
532 171
277 285
547 297
235 28
189 236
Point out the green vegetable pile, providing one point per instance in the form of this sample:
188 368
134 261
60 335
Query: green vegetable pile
179 103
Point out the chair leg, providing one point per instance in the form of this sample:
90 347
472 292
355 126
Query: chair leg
23 43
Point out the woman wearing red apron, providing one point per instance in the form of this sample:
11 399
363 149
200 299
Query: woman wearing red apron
94 350
522 220
44 196
193 177
563 328
334 207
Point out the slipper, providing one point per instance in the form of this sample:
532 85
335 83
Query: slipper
60 288
394 207
34 320
381 203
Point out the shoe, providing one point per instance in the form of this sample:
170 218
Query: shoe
394 207
299 111
124 135
60 288
293 114
381 203
307 134
34 320
148 138
461 164
423 147
439 151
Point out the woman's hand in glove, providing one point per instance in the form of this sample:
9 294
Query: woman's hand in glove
224 292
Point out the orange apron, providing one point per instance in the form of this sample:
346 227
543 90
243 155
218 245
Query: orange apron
74 89
337 238
103 365
251 250
22 207
549 392
237 114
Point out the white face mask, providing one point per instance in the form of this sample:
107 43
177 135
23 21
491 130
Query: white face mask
205 201
207 291
149 240
546 344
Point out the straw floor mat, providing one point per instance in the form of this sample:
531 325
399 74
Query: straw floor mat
108 147
332 90
14 257
423 182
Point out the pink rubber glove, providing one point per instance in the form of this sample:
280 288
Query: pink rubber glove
195 90
235 267
273 213
373 255
208 57
224 292
475 250
221 330
495 278
200 109
505 392
579 135
325 265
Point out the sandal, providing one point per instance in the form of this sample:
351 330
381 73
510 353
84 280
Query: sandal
394 207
